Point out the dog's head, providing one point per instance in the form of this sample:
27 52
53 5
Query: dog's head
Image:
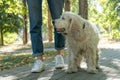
67 23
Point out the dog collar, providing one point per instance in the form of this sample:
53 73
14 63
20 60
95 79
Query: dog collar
83 25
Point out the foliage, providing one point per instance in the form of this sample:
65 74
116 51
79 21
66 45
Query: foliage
10 16
108 18
10 37
74 6
45 16
115 34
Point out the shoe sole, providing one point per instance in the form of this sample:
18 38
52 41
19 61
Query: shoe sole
59 67
37 71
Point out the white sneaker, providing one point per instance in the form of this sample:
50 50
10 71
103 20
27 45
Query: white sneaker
38 66
59 62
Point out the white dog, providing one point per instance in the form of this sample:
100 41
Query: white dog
82 40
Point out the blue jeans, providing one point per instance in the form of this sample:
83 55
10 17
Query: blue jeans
35 16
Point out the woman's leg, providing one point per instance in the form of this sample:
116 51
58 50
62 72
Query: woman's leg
56 7
35 15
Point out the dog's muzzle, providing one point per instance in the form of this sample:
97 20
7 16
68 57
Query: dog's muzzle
60 30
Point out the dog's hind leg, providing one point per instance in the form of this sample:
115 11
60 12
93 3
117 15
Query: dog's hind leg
97 60
79 59
91 60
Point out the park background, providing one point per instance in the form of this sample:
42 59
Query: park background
15 46
14 21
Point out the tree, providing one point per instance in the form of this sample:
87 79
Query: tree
50 27
67 5
1 36
25 18
10 19
83 8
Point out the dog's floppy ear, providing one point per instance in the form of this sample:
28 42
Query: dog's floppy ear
70 24
73 25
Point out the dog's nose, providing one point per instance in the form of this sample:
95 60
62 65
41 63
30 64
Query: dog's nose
53 21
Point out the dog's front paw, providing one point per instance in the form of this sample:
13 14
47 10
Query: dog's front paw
69 71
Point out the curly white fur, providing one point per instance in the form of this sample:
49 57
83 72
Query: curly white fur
82 41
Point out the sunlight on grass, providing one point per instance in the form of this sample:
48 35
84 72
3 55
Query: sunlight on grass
8 61
14 60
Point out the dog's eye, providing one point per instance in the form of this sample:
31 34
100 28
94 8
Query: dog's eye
63 18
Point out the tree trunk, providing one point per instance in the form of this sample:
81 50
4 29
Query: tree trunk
83 8
50 27
1 37
25 38
67 5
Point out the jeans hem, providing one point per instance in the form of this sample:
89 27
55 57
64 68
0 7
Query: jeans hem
37 54
59 48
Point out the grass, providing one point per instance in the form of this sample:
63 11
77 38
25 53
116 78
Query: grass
10 60
15 60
